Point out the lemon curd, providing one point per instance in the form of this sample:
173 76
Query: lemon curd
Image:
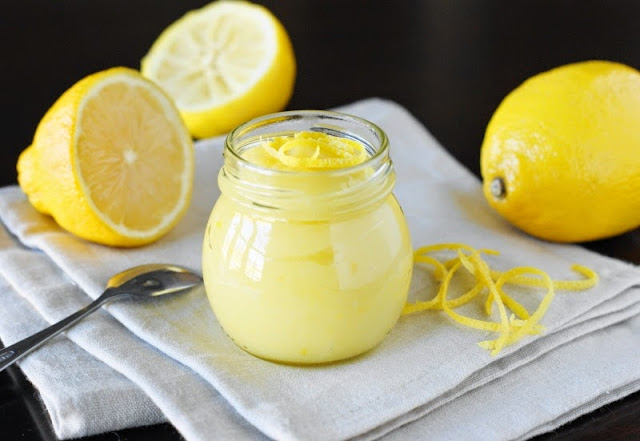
306 255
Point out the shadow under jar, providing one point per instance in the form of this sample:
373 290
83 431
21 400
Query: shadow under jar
306 266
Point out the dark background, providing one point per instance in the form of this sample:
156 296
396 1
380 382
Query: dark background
450 62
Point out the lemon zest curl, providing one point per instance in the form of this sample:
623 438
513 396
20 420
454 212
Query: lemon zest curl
315 151
511 327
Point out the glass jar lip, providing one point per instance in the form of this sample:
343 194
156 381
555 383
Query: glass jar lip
382 151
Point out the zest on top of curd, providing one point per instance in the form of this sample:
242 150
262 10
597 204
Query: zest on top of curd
306 255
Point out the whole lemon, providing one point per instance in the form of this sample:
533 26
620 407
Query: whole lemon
561 154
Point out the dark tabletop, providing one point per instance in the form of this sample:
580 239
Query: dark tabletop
450 62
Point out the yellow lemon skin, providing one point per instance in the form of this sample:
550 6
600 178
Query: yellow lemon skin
561 154
48 170
270 92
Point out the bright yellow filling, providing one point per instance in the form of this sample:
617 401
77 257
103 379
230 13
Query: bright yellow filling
308 151
290 289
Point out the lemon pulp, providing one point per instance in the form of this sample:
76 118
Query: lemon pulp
223 64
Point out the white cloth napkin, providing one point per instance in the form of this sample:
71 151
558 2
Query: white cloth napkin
170 359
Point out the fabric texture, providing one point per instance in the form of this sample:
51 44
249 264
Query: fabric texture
137 363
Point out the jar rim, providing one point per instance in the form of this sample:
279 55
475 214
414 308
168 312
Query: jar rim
379 151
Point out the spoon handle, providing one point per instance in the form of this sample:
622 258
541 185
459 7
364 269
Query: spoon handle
16 351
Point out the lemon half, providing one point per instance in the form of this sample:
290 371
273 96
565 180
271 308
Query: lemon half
223 64
111 161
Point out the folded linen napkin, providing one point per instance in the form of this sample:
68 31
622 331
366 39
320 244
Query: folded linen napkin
175 352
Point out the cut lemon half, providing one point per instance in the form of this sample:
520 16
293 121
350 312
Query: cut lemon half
111 161
223 64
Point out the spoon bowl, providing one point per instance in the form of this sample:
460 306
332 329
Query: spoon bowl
153 279
150 280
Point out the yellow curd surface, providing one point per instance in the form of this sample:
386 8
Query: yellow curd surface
297 289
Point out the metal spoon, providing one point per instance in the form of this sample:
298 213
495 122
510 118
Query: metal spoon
140 281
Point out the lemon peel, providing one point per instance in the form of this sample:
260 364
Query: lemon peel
511 327
315 151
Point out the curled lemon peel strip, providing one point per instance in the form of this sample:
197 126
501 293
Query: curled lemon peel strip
483 325
510 328
483 275
315 150
530 323
591 279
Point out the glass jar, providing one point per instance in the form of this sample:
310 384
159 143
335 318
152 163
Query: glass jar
307 266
